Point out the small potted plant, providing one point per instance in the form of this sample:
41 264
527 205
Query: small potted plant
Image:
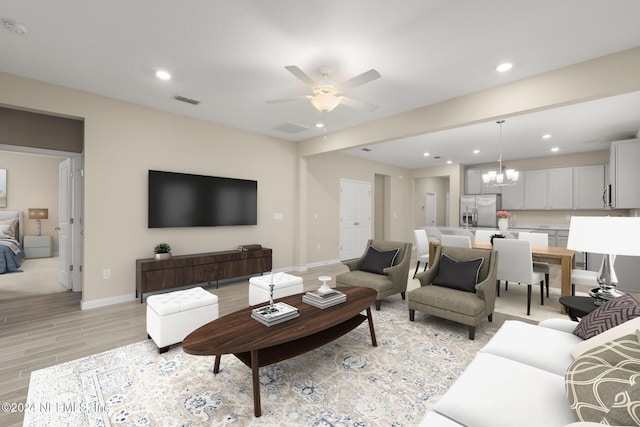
497 236
503 220
162 251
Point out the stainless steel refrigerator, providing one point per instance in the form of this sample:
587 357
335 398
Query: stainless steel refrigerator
479 210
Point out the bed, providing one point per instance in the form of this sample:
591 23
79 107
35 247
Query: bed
11 251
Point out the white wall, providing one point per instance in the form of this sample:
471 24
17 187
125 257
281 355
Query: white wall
32 182
123 141
324 172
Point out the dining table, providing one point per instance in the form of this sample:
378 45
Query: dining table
564 257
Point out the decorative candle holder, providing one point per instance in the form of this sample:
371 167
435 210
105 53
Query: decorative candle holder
324 289
271 286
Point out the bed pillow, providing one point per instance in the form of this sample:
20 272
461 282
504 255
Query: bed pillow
376 261
461 275
611 313
8 228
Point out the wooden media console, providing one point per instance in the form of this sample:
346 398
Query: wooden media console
183 270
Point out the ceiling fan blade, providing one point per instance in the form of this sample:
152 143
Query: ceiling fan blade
356 103
361 79
300 74
295 98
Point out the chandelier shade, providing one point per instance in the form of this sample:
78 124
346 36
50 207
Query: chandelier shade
499 178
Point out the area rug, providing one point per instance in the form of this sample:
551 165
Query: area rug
344 383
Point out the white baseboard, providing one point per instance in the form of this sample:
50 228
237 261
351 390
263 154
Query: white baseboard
87 305
322 263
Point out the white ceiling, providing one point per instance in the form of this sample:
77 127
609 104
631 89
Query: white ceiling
231 54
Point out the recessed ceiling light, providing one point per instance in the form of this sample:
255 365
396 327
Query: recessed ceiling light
15 27
554 149
504 67
546 136
426 154
476 151
163 75
319 125
449 162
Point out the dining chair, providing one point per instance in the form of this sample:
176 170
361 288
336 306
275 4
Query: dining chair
484 236
433 234
462 232
583 278
538 239
515 264
422 249
453 240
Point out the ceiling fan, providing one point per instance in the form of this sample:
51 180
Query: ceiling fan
327 94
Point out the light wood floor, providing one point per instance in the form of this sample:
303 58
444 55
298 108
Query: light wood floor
38 332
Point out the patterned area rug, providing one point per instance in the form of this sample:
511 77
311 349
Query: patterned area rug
344 383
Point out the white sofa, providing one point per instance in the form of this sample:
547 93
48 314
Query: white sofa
518 378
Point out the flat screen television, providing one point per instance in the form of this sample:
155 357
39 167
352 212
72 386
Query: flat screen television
186 200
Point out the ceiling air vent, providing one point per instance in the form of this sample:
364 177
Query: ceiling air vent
187 100
289 127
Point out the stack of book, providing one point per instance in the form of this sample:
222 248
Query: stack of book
324 300
272 315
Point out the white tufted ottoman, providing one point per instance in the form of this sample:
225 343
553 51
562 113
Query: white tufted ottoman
284 285
172 316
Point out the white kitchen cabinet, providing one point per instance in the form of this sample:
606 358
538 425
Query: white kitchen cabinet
548 188
588 185
473 183
535 189
513 196
625 174
560 188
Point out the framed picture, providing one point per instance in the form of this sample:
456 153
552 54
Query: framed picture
3 188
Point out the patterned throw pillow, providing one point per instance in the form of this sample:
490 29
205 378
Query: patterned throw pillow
608 315
602 383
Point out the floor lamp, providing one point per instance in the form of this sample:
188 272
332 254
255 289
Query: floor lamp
609 236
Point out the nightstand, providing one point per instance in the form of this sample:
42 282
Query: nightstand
37 246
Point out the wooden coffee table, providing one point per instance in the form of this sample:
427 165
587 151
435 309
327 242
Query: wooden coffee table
257 345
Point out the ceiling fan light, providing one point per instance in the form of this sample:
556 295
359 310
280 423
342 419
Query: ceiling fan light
325 102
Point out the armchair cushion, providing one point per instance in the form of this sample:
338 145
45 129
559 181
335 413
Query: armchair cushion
376 261
461 275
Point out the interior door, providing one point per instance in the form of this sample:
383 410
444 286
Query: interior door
430 210
355 217
64 226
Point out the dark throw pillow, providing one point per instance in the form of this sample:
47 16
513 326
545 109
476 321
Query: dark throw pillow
376 261
461 275
610 314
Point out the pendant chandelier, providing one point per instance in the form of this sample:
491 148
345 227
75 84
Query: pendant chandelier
499 178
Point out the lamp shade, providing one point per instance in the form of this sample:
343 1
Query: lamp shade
325 101
38 213
611 235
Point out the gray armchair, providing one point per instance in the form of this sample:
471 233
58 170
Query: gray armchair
388 280
469 306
